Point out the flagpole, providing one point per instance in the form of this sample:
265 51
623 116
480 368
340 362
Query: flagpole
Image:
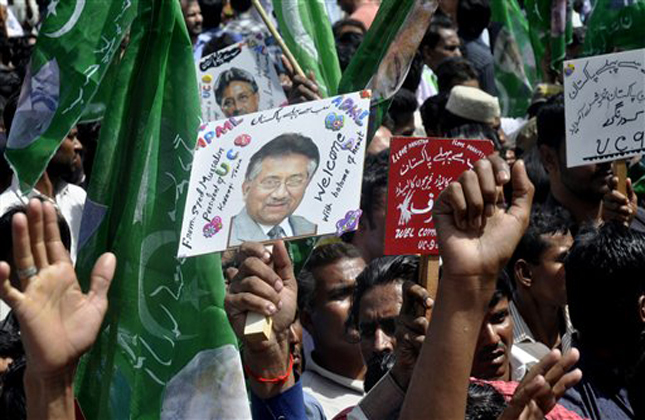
278 38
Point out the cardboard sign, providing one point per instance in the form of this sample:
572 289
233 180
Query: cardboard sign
420 168
289 172
605 107
239 80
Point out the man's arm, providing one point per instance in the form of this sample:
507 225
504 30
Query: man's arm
265 284
477 234
58 322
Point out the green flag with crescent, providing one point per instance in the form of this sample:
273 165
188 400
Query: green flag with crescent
75 47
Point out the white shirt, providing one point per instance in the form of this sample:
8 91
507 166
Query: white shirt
70 200
334 392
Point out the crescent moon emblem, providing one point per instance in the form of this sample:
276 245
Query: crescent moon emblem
78 10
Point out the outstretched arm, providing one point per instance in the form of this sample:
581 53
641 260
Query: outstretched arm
477 234
58 322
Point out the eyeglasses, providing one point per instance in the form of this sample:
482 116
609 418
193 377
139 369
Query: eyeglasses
271 184
368 329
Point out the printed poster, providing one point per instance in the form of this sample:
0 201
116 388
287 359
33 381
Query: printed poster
239 80
420 168
605 107
289 172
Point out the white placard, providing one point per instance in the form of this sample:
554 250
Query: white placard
605 107
294 171
239 80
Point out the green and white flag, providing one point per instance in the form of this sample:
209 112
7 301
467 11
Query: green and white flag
77 42
166 350
383 60
515 69
615 26
307 32
550 29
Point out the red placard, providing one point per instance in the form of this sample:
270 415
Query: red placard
420 168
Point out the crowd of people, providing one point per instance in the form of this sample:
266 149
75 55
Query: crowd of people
540 306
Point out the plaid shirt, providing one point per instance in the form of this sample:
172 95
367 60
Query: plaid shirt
246 25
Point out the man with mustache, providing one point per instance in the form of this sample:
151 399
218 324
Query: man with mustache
237 92
581 190
276 180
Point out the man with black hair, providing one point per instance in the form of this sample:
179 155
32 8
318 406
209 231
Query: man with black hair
473 17
335 370
194 20
275 183
401 113
581 189
440 41
606 295
369 236
237 92
537 272
455 71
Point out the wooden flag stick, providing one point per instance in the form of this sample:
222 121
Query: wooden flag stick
258 327
278 38
620 170
429 274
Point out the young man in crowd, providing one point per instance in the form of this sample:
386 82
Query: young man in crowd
334 370
538 309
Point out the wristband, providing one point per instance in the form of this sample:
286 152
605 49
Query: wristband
277 380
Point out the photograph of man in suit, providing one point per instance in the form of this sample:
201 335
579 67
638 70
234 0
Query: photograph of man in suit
275 183
237 92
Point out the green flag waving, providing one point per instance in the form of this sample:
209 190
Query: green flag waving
77 42
515 68
383 60
166 349
550 30
307 32
615 25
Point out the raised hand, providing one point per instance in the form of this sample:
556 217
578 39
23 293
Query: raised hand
616 206
259 287
58 322
477 233
302 89
543 386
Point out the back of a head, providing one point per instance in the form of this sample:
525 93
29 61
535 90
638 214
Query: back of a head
484 402
537 174
551 125
477 131
241 6
375 178
473 16
212 12
431 112
404 104
604 275
383 271
320 257
454 71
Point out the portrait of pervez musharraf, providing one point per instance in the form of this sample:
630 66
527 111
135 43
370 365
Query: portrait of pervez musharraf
276 180
236 92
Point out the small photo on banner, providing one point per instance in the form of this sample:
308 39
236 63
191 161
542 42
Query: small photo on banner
420 168
290 172
604 99
239 80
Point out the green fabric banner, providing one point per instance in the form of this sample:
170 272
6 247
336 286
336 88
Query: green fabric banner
76 45
307 32
615 26
166 349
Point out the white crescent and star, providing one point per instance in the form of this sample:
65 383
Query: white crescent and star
69 25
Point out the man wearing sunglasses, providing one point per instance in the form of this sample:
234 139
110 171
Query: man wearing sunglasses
276 180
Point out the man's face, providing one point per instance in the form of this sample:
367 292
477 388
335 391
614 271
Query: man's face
379 308
548 280
239 99
588 182
193 17
335 285
492 355
276 192
448 46
67 158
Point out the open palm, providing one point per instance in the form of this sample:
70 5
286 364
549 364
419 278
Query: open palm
58 321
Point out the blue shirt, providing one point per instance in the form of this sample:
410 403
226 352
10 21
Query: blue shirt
293 404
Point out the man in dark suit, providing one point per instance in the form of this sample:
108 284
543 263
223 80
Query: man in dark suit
275 183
